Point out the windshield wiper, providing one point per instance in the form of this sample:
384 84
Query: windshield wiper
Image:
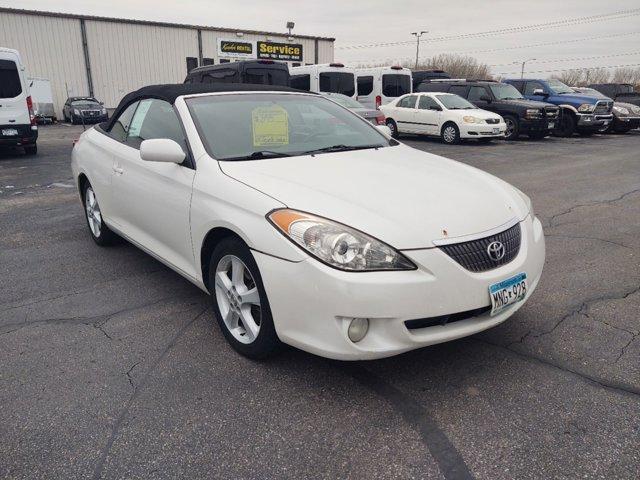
340 148
260 154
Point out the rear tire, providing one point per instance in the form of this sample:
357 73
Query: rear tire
99 231
240 303
31 149
450 134
567 125
513 128
393 126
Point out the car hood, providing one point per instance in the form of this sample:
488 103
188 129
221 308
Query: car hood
403 196
566 98
524 103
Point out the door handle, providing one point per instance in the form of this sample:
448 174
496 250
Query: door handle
118 170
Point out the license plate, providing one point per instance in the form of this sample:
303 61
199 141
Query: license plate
552 124
10 132
496 130
507 292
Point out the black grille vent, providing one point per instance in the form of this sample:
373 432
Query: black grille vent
492 121
473 255
444 319
603 107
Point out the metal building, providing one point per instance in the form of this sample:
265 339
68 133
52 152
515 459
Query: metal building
109 57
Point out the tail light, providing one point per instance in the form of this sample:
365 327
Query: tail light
380 119
32 117
378 101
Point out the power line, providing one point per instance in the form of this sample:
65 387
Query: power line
517 29
572 69
533 45
574 59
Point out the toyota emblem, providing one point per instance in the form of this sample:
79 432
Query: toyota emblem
496 251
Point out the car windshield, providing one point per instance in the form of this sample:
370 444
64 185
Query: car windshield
261 125
455 102
345 101
504 91
86 102
558 87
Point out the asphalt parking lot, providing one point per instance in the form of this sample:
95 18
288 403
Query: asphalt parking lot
111 367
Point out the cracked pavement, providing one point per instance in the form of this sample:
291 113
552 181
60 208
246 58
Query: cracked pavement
112 367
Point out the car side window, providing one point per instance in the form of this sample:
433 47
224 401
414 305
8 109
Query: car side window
459 90
476 94
408 102
121 125
155 119
531 86
427 103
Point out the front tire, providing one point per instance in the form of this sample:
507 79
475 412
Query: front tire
240 303
567 125
513 128
393 127
99 231
450 134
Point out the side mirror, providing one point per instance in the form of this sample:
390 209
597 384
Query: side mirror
539 91
485 98
384 130
161 150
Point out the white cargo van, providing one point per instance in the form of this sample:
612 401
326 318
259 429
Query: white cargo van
17 121
328 77
380 85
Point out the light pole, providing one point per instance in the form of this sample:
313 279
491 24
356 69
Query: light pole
418 35
523 64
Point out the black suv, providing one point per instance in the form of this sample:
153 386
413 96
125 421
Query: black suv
536 119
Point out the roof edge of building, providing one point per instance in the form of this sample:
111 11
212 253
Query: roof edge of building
152 23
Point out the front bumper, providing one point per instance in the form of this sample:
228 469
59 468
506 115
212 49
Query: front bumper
312 303
89 119
594 122
629 122
27 135
538 125
482 130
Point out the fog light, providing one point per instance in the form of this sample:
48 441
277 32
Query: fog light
358 328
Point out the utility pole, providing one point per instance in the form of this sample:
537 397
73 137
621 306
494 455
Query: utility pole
523 64
418 35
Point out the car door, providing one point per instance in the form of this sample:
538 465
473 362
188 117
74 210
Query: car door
152 199
428 116
405 114
478 95
532 86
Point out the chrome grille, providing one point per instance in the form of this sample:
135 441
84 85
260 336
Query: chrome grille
551 112
473 255
603 107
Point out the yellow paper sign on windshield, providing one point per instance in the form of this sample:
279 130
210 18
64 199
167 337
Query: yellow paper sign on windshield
270 126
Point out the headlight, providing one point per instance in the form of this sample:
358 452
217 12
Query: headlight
533 112
621 110
636 110
337 245
527 200
104 110
76 111
586 108
470 119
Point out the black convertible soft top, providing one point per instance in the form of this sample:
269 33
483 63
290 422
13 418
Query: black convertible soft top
169 93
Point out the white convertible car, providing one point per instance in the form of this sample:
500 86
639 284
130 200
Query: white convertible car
308 225
446 115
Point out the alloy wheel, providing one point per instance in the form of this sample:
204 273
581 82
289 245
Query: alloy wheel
449 134
510 128
238 299
94 216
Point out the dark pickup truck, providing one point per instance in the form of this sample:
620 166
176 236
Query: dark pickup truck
522 116
620 92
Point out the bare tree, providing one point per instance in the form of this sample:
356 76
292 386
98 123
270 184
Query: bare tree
627 75
573 77
595 75
458 66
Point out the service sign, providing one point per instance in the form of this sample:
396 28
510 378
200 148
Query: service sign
287 52
236 49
